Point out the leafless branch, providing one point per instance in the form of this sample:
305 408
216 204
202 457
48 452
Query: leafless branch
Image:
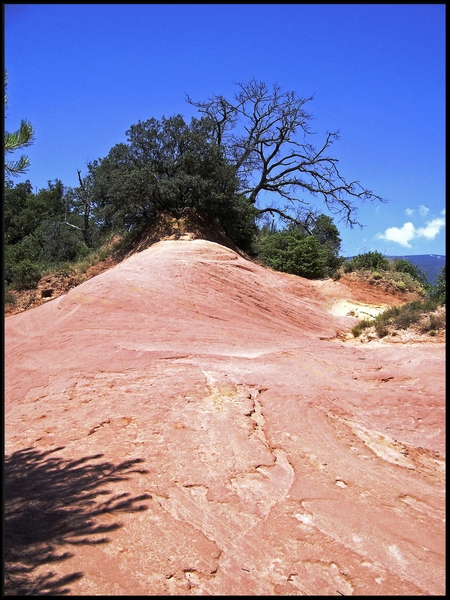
265 134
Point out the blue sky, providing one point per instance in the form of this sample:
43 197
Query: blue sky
84 73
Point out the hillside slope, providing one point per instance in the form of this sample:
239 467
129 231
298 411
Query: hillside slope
188 422
430 264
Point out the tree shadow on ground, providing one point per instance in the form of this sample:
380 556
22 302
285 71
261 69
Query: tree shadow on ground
50 502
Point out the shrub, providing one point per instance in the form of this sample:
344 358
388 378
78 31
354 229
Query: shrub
237 216
406 283
433 323
405 280
65 269
26 274
370 261
363 324
291 251
402 265
407 317
402 317
437 291
381 329
9 298
400 273
58 242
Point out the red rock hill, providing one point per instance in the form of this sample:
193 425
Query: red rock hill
189 422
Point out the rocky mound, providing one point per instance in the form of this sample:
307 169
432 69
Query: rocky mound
192 225
189 423
188 225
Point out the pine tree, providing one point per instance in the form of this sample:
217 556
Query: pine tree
19 139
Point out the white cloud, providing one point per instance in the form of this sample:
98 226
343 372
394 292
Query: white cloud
432 229
423 211
403 235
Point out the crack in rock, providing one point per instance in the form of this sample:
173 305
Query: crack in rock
422 460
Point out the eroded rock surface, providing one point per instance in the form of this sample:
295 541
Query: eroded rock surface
189 422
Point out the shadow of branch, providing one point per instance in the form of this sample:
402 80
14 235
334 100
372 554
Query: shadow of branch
52 501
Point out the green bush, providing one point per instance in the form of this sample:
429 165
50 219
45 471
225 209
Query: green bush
398 274
410 314
58 242
437 291
405 282
402 265
9 298
291 251
26 274
401 317
25 250
370 261
363 324
237 216
381 330
433 323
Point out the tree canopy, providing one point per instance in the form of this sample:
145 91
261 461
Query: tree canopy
166 166
36 231
227 163
224 164
312 254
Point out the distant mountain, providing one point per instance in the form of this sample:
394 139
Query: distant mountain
430 264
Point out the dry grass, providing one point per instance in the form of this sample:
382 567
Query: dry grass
425 317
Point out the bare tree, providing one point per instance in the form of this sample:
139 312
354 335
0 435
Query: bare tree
265 135
82 200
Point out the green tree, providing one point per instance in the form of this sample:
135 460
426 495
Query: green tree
21 138
25 274
327 234
15 205
266 136
80 209
293 251
36 234
370 261
167 166
437 291
288 249
403 265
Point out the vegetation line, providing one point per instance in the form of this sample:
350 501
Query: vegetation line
228 170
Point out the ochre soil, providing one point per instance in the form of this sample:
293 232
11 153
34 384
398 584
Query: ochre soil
376 292
188 422
52 286
188 226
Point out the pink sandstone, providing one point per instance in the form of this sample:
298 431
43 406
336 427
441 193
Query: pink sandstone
190 422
